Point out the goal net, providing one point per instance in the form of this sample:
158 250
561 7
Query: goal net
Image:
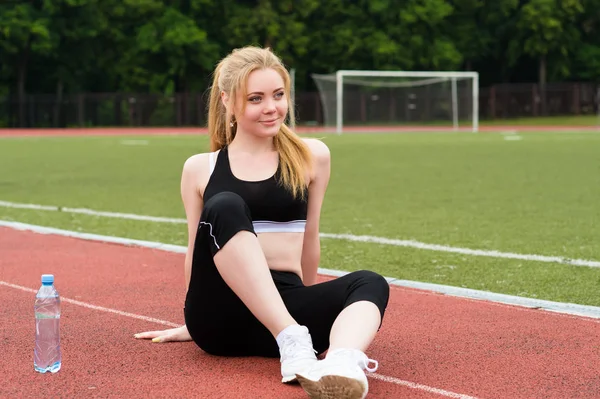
399 100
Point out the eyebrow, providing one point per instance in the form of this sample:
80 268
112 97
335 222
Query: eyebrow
261 93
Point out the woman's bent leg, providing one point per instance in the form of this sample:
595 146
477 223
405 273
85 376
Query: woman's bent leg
236 271
344 312
355 327
244 268
343 316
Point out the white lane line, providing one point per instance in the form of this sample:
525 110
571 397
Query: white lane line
557 307
422 387
94 307
346 237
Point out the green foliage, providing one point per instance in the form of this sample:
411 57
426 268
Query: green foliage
587 54
478 27
384 34
281 25
23 26
546 26
547 29
159 46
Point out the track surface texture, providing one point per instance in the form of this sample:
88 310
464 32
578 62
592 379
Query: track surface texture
430 345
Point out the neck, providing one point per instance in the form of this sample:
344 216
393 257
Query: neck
252 144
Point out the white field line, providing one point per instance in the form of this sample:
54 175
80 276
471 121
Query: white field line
463 251
513 138
379 377
347 237
91 212
94 307
557 307
134 142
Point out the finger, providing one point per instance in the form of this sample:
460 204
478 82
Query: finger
162 338
148 334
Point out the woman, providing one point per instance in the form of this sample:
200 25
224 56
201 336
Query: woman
253 206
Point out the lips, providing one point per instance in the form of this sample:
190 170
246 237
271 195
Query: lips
270 121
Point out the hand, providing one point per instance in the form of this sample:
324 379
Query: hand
178 334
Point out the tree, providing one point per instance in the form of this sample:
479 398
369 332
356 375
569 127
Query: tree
382 35
544 29
587 55
24 33
166 46
77 28
478 27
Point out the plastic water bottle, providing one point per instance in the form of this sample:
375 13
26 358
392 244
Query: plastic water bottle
47 354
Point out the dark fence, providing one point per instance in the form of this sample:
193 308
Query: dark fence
527 100
121 109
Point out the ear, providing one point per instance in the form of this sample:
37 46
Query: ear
225 99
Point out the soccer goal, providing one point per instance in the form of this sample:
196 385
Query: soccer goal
402 100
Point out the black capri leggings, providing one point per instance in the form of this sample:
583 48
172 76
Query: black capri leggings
220 323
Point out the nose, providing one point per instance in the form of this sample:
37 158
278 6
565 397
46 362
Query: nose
269 106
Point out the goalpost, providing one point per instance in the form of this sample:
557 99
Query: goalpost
399 98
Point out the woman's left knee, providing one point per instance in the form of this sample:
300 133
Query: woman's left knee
375 279
374 287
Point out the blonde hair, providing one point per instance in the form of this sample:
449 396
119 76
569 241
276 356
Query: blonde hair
231 77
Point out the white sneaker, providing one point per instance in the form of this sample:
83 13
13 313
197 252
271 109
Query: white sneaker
297 353
339 376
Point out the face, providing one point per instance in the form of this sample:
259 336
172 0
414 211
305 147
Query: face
266 104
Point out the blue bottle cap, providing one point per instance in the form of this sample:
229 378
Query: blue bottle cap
47 279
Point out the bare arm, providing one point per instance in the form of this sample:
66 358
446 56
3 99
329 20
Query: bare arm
311 249
193 176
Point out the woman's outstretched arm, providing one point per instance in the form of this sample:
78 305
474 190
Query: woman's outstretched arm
193 175
311 249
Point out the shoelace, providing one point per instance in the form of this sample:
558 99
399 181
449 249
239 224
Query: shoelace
362 360
293 348
364 363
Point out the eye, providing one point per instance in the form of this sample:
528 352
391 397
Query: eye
279 95
254 99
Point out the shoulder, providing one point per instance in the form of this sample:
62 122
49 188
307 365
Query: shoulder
196 170
200 161
318 149
321 159
196 163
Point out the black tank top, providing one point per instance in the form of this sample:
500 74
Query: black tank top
273 208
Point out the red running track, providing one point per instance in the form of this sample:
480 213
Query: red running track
430 345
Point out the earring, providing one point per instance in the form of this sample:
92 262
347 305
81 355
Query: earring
232 122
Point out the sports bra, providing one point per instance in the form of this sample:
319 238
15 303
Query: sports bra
273 208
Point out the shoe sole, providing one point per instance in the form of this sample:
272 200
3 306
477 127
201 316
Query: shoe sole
289 380
333 387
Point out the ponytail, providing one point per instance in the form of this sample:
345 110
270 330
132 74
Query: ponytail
219 119
294 160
